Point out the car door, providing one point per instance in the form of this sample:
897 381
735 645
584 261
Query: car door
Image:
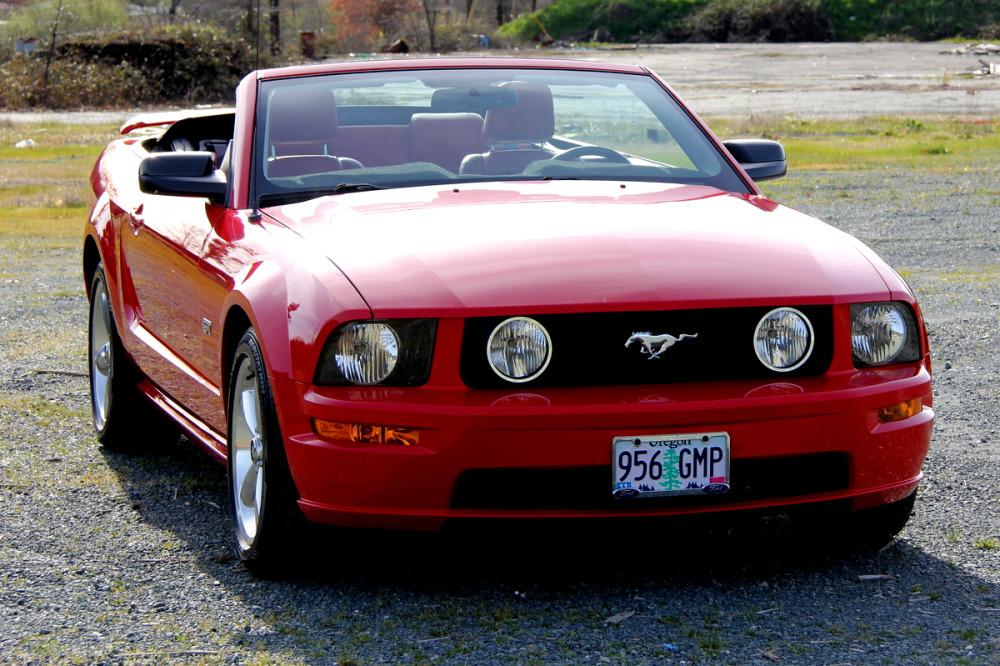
161 252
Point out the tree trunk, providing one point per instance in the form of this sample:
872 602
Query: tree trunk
251 25
431 16
275 27
172 12
499 13
52 50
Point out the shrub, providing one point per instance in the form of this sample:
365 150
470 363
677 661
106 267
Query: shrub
188 62
759 21
645 20
72 84
743 20
916 19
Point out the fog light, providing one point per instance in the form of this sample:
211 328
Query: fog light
364 433
901 410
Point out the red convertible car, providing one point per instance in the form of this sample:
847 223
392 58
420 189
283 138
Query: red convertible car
403 293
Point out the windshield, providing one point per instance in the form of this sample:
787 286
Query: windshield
347 132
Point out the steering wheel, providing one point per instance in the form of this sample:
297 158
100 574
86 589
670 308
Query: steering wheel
597 151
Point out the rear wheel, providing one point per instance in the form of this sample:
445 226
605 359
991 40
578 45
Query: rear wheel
123 417
262 493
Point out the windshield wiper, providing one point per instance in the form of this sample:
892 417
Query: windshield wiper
345 188
281 198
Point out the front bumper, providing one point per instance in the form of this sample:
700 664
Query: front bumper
569 432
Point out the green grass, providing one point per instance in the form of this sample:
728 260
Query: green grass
872 143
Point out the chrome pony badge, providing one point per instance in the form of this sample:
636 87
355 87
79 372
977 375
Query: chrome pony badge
654 345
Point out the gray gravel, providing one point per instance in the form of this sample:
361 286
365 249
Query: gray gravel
111 557
808 80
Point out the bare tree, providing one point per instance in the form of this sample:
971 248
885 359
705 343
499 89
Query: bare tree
54 37
251 24
275 16
431 16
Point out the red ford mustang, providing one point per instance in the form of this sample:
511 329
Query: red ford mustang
400 293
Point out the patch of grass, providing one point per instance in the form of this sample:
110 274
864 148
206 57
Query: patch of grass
986 544
40 408
871 143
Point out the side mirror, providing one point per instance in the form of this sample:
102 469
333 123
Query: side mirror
761 159
186 174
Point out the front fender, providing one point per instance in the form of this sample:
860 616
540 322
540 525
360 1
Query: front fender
292 307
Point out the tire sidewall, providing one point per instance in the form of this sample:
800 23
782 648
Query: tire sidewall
249 348
99 282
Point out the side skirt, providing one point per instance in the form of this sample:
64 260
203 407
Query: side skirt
196 430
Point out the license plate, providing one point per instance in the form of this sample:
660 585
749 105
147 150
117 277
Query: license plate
657 465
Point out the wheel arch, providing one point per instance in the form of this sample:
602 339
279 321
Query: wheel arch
236 323
91 259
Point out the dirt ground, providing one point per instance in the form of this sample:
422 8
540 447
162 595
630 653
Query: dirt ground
839 80
820 80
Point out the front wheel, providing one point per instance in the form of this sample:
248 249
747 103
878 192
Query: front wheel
873 528
262 493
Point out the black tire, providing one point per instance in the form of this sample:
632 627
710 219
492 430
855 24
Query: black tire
127 421
278 520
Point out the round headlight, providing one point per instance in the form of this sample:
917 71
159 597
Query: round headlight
366 352
783 339
878 333
519 349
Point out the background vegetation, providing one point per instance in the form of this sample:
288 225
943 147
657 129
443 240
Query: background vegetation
113 53
758 20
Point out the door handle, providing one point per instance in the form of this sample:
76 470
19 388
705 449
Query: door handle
136 219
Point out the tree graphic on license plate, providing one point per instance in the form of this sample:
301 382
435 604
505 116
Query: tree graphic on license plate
671 478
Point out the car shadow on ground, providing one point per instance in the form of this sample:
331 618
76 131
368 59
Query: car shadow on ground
178 489
484 594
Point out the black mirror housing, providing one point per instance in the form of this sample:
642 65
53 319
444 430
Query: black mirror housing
186 174
760 158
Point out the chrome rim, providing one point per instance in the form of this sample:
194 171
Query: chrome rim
247 467
101 361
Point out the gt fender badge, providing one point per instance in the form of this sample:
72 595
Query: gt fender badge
654 345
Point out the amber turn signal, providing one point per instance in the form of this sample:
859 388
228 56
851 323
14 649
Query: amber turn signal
362 433
900 411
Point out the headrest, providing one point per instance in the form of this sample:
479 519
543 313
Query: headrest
530 119
302 113
432 128
445 138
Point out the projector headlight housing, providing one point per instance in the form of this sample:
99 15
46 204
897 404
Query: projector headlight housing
784 339
883 333
519 349
394 352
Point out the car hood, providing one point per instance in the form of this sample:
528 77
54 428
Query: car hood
580 245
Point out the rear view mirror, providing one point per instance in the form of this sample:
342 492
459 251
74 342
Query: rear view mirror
187 174
761 159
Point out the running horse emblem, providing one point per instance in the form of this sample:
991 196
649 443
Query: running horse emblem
654 345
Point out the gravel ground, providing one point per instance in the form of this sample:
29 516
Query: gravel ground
105 557
113 558
839 80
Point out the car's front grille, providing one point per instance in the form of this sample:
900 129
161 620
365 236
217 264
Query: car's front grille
589 349
589 488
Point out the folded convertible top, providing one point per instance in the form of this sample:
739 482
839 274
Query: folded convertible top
161 118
